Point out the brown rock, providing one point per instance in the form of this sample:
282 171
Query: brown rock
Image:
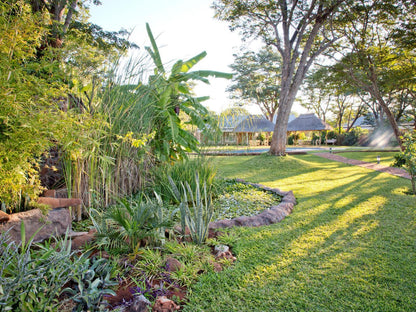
226 255
217 267
49 193
173 265
56 222
4 217
81 241
164 304
59 202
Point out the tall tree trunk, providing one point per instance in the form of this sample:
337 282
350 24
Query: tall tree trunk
279 138
390 116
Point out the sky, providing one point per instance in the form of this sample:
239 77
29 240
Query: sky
183 29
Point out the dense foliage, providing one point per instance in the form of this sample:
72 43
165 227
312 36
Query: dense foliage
29 118
63 87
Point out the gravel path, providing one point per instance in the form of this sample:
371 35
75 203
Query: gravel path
391 170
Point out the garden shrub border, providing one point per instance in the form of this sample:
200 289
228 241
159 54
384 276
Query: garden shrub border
268 216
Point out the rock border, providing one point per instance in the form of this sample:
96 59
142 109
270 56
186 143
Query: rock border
269 216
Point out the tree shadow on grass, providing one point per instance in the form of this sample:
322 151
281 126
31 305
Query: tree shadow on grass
346 247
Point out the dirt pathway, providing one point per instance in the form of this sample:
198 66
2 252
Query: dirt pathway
390 170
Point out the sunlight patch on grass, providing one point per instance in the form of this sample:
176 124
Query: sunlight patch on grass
349 244
386 158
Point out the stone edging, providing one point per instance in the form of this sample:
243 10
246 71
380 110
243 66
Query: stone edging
269 216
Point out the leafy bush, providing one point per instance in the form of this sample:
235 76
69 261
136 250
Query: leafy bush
31 280
91 282
356 136
399 161
315 138
261 137
409 157
295 137
29 120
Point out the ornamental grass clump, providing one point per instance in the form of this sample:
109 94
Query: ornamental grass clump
184 170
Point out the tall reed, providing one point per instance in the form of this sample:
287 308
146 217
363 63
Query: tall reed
109 157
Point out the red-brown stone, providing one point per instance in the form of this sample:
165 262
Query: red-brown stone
59 202
4 217
163 304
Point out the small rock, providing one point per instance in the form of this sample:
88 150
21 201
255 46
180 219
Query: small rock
81 241
226 255
173 265
140 304
217 267
4 217
164 304
221 248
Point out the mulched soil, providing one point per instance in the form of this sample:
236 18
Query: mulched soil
390 170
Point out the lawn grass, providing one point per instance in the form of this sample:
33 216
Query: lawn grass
349 245
386 158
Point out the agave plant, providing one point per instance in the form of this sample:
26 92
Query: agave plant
196 209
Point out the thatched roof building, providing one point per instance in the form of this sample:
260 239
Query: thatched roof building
254 124
229 123
308 122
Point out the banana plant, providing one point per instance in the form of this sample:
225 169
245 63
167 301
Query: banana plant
173 93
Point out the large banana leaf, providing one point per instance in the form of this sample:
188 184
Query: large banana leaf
173 92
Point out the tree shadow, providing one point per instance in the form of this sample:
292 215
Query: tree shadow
348 246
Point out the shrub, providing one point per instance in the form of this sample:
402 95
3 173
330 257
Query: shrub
353 137
32 279
315 138
294 137
409 156
399 161
261 137
92 279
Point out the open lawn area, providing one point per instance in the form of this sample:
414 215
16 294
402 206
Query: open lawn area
349 245
386 158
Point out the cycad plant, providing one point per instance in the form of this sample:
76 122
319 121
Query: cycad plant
132 223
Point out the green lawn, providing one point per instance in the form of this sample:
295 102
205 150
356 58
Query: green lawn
386 158
349 245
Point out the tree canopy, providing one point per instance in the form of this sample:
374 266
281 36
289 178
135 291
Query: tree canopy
300 32
256 79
